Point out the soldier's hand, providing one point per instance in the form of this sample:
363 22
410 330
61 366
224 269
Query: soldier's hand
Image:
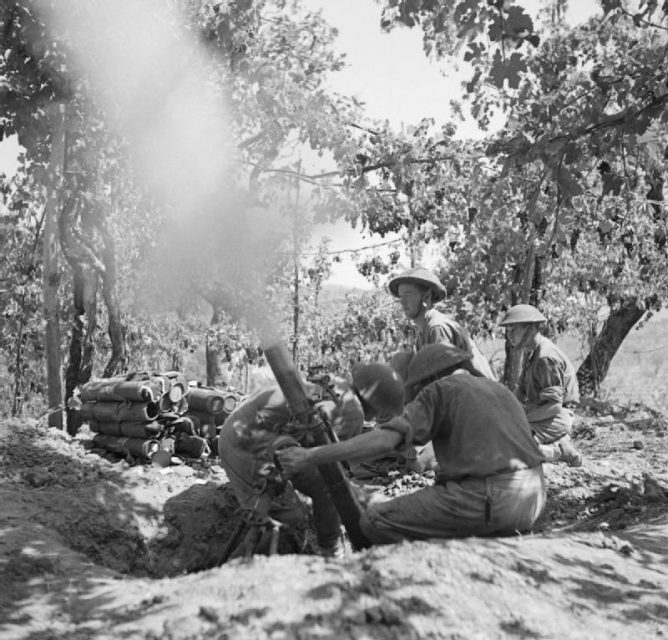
293 460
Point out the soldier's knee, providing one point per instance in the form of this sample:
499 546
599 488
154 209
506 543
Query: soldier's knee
374 527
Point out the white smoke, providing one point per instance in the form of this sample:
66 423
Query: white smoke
152 79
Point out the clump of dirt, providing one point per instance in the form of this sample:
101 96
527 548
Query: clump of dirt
98 547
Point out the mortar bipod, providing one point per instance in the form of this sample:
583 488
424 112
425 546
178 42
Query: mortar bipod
262 532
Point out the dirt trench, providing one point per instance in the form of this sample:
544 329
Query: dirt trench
92 540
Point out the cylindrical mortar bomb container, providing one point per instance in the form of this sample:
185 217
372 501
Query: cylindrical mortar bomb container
122 390
138 448
119 411
142 430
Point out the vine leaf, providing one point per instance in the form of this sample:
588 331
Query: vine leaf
509 69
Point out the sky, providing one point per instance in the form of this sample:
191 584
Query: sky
390 73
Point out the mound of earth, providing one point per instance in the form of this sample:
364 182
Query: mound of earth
94 547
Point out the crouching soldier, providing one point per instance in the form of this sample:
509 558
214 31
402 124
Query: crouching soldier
548 385
490 479
251 434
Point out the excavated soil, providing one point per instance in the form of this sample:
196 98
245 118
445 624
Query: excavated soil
94 546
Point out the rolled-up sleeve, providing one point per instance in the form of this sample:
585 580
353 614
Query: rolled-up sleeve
549 381
415 424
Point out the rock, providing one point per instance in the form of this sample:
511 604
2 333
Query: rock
638 444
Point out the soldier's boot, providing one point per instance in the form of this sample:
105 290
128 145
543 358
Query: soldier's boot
336 549
562 450
551 452
569 454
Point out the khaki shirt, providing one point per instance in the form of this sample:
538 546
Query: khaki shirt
441 329
477 427
548 376
264 415
549 381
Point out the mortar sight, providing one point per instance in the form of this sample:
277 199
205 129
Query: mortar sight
319 375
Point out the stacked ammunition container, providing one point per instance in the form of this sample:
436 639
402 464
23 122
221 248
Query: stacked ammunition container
209 408
142 414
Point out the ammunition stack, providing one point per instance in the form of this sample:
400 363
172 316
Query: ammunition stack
209 408
146 413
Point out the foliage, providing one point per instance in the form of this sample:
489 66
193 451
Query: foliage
369 327
563 203
488 34
20 296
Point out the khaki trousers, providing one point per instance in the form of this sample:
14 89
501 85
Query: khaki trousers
503 504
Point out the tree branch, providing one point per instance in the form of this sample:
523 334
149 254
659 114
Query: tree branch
612 121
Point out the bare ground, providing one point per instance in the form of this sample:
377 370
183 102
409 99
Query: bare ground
93 547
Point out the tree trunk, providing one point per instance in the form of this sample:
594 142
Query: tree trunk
17 404
528 277
215 354
51 278
595 367
295 315
117 359
84 321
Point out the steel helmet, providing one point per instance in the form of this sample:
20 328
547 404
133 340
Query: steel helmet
420 276
380 387
522 314
432 360
400 361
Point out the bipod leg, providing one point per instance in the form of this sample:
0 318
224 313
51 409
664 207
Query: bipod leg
251 541
232 543
275 534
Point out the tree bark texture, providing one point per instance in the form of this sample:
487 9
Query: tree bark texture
528 281
117 359
596 365
216 356
84 321
50 276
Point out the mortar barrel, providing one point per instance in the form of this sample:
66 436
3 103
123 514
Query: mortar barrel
343 497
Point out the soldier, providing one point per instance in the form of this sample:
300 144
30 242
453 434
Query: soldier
490 479
418 290
249 435
548 385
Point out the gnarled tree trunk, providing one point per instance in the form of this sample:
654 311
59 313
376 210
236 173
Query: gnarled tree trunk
529 278
623 316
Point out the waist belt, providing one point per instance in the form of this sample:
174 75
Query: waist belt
442 480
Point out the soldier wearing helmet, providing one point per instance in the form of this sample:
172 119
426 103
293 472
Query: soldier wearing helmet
490 479
248 440
548 386
418 290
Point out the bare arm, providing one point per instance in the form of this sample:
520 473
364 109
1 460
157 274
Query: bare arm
370 445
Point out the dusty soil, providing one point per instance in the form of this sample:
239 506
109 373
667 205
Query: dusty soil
95 547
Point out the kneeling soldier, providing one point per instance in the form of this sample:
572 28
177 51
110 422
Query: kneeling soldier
548 386
248 441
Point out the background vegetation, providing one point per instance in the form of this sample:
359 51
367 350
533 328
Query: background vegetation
160 217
